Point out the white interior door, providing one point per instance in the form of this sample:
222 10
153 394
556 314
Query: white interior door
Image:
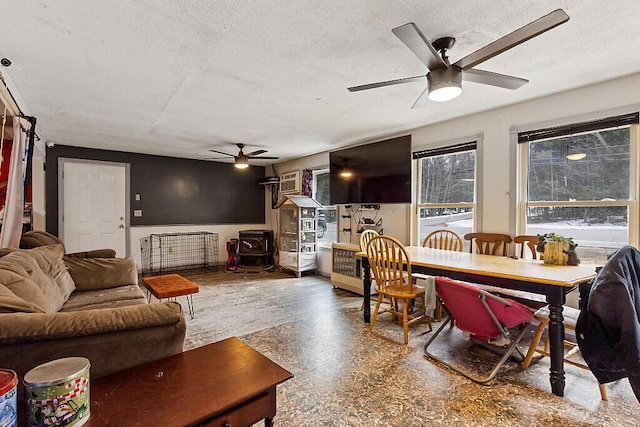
94 205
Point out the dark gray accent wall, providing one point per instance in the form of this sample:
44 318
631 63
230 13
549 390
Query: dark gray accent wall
172 190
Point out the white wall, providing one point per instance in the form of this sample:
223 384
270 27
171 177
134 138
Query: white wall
225 233
498 180
498 168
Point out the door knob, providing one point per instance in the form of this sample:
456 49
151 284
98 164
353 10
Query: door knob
121 226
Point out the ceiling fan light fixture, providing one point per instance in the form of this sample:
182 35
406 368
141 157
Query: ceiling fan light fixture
444 84
241 162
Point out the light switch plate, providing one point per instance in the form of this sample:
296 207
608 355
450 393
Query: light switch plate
137 212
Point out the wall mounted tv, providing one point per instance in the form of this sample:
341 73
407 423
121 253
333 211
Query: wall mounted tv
372 173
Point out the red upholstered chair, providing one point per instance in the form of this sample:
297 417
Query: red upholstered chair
487 318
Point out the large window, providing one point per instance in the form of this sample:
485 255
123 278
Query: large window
446 189
327 218
580 182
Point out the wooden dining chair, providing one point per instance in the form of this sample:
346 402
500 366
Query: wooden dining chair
443 239
570 316
363 241
498 244
365 238
527 241
489 243
446 240
391 268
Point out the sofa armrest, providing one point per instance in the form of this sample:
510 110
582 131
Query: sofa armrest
90 274
41 327
96 253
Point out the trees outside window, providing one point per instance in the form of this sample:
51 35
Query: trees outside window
580 186
446 189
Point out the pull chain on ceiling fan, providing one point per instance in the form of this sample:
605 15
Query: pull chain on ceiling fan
444 80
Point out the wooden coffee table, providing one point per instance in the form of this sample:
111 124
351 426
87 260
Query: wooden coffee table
226 383
171 286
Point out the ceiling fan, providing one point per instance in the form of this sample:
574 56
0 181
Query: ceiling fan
444 80
242 159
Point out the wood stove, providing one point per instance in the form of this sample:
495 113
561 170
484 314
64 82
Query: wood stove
256 248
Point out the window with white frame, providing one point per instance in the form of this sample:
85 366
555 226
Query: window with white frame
581 181
327 216
446 189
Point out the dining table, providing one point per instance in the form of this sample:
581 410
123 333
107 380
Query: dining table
528 275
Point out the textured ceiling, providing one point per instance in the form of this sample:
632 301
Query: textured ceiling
180 77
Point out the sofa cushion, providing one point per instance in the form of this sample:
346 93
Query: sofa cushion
105 298
24 288
49 259
33 239
7 251
42 265
101 273
65 283
11 303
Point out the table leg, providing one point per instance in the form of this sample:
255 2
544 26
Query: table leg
192 311
366 290
556 342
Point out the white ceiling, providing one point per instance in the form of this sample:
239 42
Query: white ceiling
180 77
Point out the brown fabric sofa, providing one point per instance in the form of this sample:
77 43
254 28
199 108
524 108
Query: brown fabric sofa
52 306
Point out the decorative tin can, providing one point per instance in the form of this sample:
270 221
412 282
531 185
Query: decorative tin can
8 398
57 393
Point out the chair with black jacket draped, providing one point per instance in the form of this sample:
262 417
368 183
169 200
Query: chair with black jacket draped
608 326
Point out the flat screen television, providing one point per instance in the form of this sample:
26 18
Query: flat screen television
372 173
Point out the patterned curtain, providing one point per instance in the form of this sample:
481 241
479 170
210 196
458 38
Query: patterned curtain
307 182
14 203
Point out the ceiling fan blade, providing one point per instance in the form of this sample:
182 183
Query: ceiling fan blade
422 100
520 35
387 83
493 79
222 152
263 157
413 38
256 153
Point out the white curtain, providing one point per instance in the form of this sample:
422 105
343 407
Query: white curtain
14 202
